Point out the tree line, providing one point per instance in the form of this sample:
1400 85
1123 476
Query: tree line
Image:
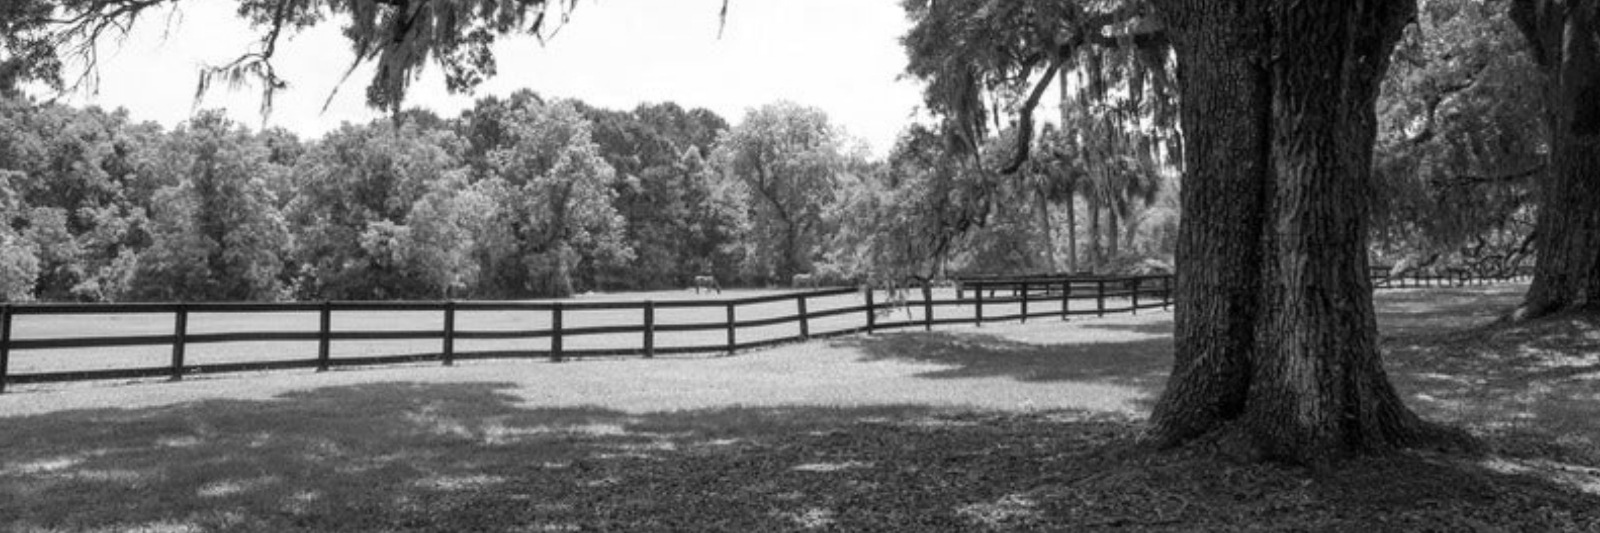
517 197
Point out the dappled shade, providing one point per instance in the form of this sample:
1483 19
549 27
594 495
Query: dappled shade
1531 385
392 456
1137 355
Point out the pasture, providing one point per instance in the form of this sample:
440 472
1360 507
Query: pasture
1008 427
830 314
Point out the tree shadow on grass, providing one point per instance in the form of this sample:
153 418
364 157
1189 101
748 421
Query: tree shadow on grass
1533 387
1141 357
1446 311
456 457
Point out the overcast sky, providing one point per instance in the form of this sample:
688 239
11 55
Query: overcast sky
842 56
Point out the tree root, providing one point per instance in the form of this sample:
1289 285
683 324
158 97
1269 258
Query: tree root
1235 442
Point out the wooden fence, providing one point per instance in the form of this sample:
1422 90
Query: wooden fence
1459 278
1030 297
1110 295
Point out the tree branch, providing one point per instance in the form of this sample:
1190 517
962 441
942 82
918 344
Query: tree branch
1470 180
1025 118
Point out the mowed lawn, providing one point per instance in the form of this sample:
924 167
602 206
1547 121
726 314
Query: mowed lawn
1000 428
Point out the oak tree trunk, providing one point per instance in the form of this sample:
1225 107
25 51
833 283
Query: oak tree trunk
1112 237
1096 257
1072 215
1564 38
1276 334
1043 206
1072 232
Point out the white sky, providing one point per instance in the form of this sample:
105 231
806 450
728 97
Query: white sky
842 56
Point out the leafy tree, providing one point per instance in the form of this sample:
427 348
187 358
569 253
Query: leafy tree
217 234
19 257
1459 141
19 269
1275 334
284 150
95 172
658 153
925 213
356 188
554 221
1118 97
789 161
698 128
59 255
444 227
25 53
397 37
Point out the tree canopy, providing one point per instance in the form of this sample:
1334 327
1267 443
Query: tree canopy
1460 141
44 39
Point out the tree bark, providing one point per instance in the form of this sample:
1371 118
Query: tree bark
1072 215
1112 237
1095 255
1049 235
1072 232
1276 334
1564 38
1225 111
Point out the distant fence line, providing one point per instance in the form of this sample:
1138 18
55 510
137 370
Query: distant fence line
1415 279
1155 291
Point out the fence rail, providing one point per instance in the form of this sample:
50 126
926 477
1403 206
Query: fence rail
1381 279
1031 297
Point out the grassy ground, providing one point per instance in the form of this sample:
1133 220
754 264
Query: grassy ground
1001 428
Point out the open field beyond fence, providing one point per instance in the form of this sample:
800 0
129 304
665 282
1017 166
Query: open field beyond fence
41 343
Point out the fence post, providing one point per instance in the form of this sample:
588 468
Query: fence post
805 320
1135 296
180 331
5 344
649 329
979 307
1100 296
449 333
1024 302
1166 292
1066 296
732 342
324 336
872 312
555 333
927 307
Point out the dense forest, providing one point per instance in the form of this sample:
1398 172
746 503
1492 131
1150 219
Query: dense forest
517 197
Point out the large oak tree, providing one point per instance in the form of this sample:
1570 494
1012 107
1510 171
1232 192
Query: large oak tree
1277 338
1564 39
1276 334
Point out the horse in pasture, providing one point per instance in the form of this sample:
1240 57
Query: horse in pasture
708 283
806 280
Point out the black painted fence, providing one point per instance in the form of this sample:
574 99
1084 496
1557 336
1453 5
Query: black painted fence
1458 278
1110 295
1139 293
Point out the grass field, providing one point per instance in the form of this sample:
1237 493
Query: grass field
1002 428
